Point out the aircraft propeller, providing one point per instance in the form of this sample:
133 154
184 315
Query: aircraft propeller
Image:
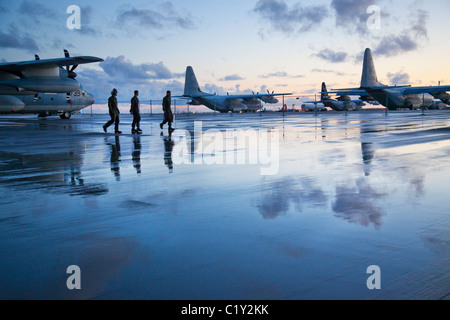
70 70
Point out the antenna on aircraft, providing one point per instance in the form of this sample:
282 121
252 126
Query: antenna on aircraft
36 57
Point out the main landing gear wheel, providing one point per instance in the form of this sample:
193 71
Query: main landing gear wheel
66 115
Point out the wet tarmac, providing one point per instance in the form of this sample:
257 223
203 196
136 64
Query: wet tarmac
172 217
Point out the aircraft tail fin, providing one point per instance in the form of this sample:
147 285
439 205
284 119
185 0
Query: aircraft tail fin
324 93
369 76
191 86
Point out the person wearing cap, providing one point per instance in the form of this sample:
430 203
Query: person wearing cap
134 110
113 112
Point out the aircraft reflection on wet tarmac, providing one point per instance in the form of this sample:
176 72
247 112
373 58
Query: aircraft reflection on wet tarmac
351 191
56 172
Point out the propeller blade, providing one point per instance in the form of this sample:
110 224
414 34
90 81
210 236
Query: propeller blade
70 70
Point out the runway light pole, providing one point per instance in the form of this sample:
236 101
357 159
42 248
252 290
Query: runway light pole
315 104
387 103
423 105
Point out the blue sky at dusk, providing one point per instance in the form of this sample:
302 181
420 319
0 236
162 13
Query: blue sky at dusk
234 46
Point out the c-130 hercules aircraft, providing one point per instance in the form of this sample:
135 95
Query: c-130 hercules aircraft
228 103
395 97
44 87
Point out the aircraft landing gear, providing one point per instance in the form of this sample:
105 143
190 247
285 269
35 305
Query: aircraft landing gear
66 115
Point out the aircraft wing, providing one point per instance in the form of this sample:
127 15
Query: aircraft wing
234 97
253 96
315 102
42 75
407 90
432 89
350 101
362 92
14 67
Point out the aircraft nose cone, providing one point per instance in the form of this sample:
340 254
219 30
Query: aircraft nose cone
90 99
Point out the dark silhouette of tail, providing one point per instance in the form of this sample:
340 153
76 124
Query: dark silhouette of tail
369 77
324 93
191 87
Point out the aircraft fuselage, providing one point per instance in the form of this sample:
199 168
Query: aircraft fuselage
46 104
396 98
224 105
342 105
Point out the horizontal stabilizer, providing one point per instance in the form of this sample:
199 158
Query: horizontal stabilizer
349 92
315 102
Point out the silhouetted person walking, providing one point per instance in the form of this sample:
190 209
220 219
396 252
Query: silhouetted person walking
168 115
136 114
113 112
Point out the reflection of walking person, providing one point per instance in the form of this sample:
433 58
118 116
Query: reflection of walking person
136 114
168 115
115 158
168 149
136 154
113 112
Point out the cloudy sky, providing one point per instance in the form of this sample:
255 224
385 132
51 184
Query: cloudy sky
234 46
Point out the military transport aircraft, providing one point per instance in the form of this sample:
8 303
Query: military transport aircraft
44 87
47 104
228 103
395 97
343 103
